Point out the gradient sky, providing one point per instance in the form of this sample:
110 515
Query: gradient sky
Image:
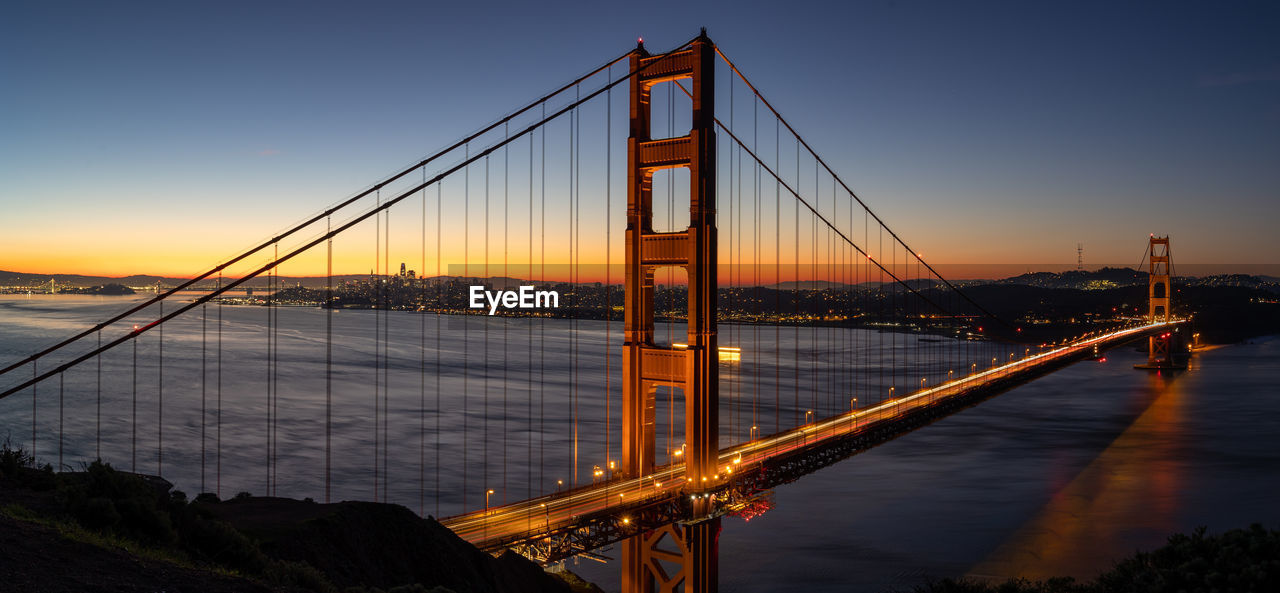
162 137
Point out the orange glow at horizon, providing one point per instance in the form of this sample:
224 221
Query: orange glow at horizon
178 263
521 253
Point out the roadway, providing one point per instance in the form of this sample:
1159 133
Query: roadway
496 527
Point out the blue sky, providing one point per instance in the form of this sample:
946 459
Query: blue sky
983 132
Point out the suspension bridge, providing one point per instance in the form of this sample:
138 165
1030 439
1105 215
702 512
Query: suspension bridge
685 369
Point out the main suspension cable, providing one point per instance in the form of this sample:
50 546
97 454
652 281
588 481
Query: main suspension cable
350 223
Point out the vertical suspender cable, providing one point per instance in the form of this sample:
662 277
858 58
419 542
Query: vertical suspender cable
386 353
275 376
608 246
377 335
529 361
98 438
758 302
484 410
542 325
795 363
573 327
422 362
328 362
439 303
735 402
61 377
777 299
35 364
204 380
466 341
576 232
272 288
218 419
160 394
267 443
133 460
506 248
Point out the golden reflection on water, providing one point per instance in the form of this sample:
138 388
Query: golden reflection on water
1125 499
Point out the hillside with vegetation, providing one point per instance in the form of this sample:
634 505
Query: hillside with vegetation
102 529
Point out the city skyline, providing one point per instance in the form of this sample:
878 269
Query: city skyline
162 141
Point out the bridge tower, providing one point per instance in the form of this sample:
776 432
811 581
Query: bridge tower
1160 350
646 365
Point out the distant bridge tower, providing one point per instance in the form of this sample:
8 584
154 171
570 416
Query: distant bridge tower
1160 351
693 561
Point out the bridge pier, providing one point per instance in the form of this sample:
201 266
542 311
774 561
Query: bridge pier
671 557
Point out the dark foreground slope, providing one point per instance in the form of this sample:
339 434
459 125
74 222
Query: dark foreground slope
377 545
41 557
103 530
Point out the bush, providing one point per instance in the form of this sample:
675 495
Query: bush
207 498
18 465
215 541
105 499
297 574
1237 560
12 459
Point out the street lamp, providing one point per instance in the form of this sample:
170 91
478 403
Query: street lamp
752 436
808 414
853 404
487 494
596 472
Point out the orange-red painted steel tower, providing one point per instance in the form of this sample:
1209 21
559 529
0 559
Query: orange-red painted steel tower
1159 347
689 556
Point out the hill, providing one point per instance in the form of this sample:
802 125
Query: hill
105 530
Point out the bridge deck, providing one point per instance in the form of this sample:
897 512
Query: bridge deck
614 508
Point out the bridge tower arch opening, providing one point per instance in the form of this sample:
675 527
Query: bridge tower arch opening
646 365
